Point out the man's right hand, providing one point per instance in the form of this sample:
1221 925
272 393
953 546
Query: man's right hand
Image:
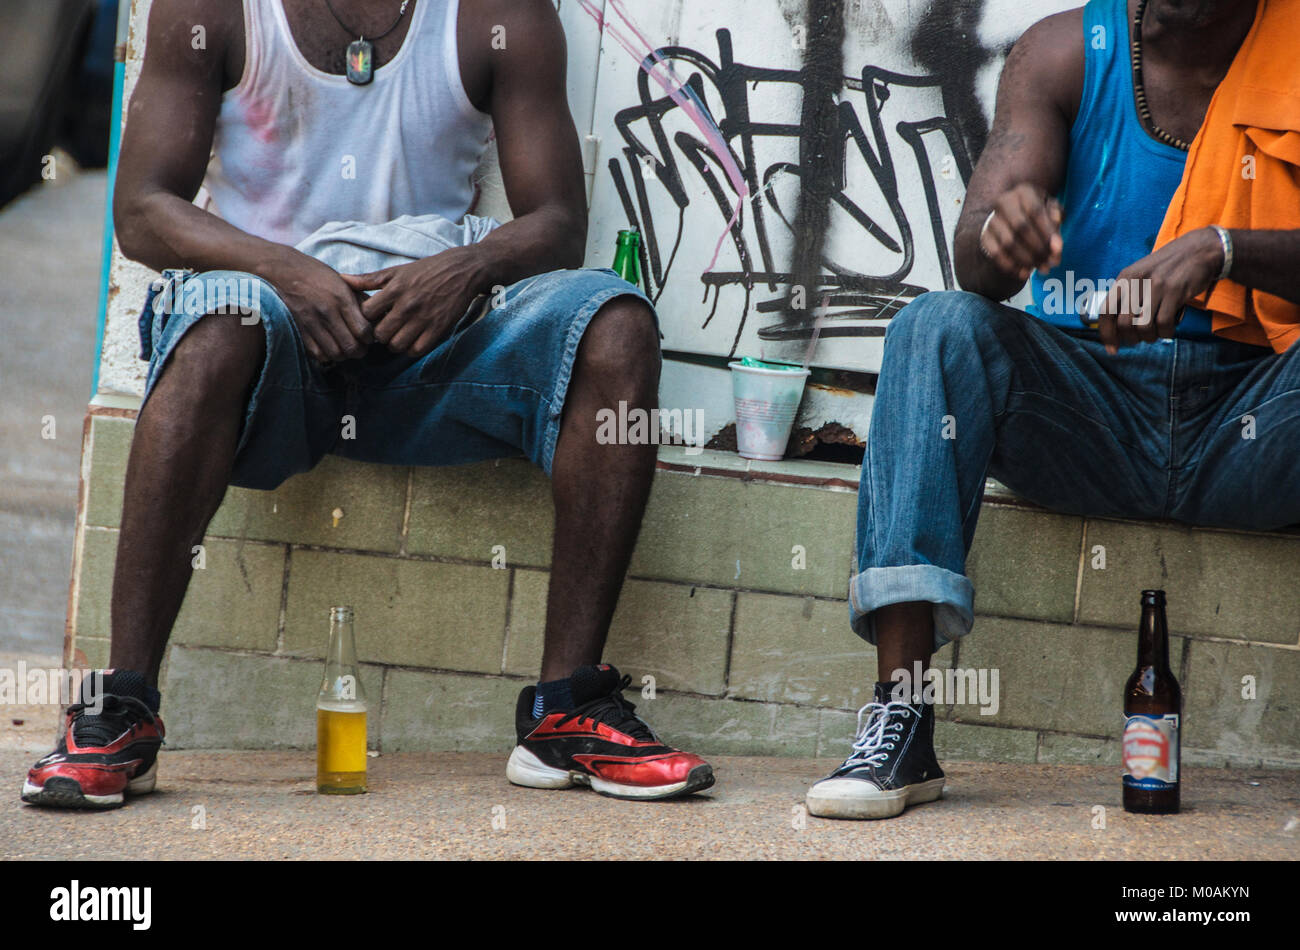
1023 232
326 310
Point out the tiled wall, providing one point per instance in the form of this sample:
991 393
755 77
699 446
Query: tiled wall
749 652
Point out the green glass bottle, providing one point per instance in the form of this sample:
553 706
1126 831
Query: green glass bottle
627 257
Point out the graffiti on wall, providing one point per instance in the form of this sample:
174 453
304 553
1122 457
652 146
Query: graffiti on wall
874 195
861 300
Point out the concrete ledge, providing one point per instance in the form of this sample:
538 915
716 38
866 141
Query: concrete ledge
734 614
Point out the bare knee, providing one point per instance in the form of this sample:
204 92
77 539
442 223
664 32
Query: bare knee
220 356
621 346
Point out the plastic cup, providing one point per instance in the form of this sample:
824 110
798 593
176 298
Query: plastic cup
766 403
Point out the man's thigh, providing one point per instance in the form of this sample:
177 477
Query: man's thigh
495 389
1243 465
1081 430
293 412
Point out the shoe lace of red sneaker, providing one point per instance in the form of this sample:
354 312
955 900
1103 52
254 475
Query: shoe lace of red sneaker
118 714
615 711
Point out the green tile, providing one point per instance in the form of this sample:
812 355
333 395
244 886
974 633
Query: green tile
218 700
1057 749
799 650
705 460
1222 584
466 511
836 730
1025 563
110 447
730 533
805 469
234 601
91 616
1291 762
372 499
441 712
1206 759
95 650
408 613
730 727
370 502
1222 721
527 623
977 743
1056 677
676 634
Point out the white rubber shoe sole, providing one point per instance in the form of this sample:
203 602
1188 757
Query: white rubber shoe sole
855 799
528 770
66 793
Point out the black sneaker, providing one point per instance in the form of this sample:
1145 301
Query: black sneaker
892 766
601 743
108 747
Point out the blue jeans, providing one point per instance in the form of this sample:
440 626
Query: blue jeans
494 389
1200 431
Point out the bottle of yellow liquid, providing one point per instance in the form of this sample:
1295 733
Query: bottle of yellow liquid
341 714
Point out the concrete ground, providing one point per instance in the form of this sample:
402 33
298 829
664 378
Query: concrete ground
263 805
50 270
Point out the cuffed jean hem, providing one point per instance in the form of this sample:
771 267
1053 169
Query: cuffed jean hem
952 595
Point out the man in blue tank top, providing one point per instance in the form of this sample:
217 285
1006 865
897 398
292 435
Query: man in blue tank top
1141 417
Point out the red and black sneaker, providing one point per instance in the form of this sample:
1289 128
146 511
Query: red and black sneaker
107 750
600 742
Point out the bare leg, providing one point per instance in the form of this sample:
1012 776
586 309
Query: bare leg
181 457
904 635
600 491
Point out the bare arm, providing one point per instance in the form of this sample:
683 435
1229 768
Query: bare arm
541 159
1266 260
176 101
1023 163
165 150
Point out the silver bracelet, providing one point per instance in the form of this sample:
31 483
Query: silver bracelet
1225 239
984 230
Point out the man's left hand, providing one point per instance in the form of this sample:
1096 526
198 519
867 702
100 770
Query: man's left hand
416 306
1150 293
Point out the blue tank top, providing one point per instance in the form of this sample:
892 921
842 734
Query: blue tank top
1118 181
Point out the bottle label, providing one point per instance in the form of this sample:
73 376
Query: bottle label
1151 751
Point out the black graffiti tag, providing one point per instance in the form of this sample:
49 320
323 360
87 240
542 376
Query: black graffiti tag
861 300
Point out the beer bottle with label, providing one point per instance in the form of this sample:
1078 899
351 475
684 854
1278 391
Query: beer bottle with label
1153 707
341 714
627 257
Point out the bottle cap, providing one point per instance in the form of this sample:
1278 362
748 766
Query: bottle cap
341 614
1153 596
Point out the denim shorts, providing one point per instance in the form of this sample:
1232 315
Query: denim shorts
494 389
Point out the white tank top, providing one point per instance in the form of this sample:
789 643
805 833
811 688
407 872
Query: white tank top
296 147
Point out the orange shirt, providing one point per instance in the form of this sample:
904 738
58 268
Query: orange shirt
1243 170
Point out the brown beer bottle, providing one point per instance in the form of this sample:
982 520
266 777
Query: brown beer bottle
1153 712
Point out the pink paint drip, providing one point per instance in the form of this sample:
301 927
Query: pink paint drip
684 98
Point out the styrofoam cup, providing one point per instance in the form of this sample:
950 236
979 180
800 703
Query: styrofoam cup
766 403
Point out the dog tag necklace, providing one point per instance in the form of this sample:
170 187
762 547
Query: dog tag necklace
361 51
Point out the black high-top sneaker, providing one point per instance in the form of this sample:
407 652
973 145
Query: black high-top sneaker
108 747
601 743
892 766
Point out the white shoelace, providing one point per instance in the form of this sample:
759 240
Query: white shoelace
873 743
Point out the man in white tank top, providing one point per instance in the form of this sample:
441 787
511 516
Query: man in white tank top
263 359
